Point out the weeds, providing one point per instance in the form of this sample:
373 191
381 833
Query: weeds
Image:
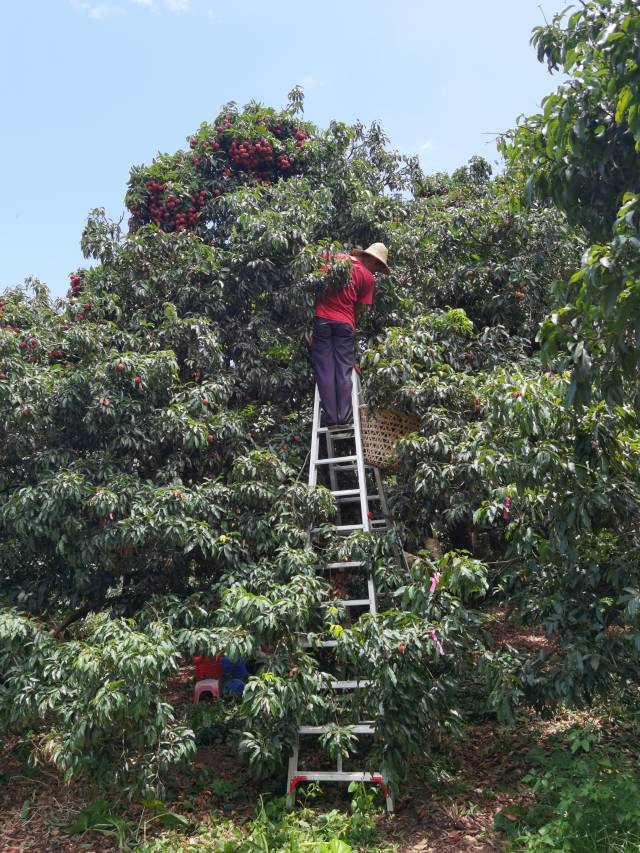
274 830
271 830
587 801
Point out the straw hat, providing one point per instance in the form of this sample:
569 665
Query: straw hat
376 250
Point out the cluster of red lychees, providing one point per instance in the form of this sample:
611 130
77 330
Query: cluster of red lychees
156 209
519 292
251 156
76 285
73 295
165 207
234 154
29 348
232 150
8 327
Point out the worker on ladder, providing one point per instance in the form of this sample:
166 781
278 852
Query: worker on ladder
334 328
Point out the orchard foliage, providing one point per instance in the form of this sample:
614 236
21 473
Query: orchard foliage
583 153
548 497
152 430
101 695
153 497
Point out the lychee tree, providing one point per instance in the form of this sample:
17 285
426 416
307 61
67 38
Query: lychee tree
154 428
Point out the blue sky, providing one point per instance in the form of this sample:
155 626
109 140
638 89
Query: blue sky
90 87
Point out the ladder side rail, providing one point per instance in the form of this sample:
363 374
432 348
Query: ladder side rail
362 482
364 502
313 479
292 773
315 441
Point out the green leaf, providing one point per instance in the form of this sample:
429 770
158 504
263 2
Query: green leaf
625 98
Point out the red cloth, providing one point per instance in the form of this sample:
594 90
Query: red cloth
340 306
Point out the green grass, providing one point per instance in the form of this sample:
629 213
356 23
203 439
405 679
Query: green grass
274 830
271 830
587 800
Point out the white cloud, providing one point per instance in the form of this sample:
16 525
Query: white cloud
170 5
426 145
177 5
103 10
211 15
97 11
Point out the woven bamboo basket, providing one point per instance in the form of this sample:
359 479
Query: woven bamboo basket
381 429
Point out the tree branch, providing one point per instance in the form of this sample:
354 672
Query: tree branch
95 604
77 614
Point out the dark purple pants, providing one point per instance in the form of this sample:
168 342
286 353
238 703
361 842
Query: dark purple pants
332 358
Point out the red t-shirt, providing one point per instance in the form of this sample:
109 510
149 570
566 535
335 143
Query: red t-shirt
357 291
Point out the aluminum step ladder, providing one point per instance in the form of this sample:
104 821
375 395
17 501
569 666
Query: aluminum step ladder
374 516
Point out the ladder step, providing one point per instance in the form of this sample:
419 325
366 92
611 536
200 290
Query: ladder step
338 685
333 460
337 776
323 644
340 436
350 564
340 528
350 685
356 728
343 493
349 602
352 500
334 430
